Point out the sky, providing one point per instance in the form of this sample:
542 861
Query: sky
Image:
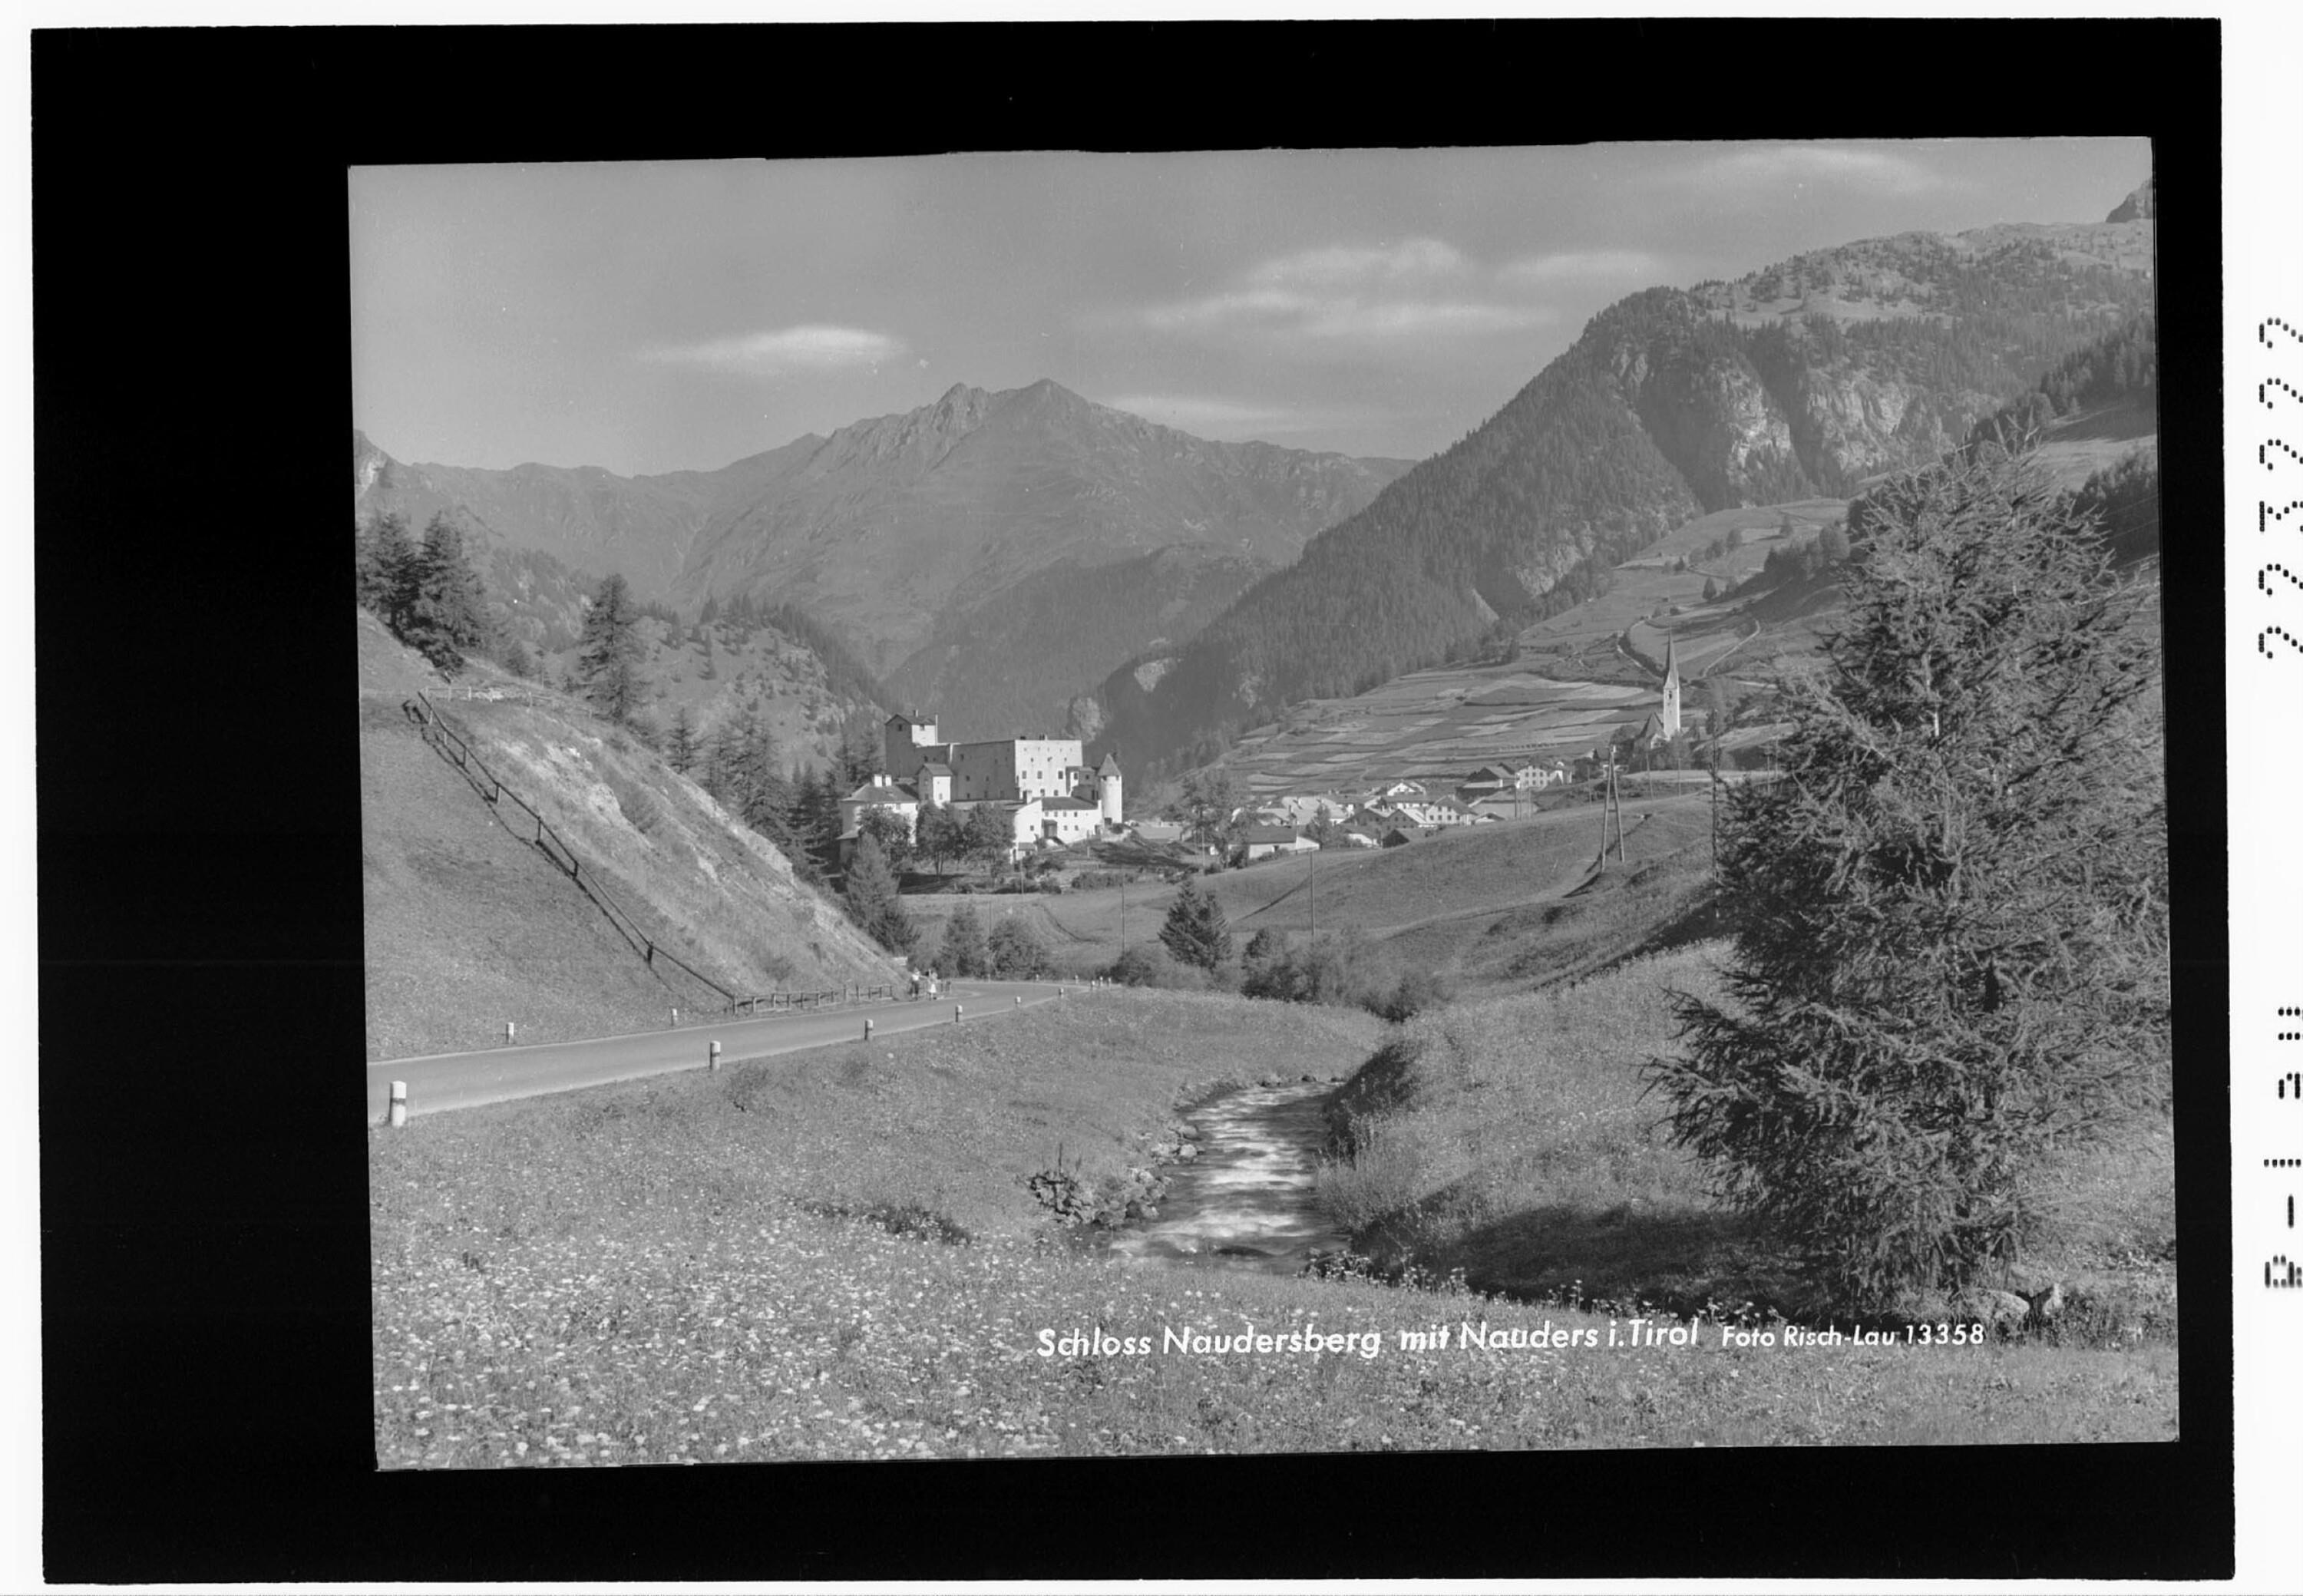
662 316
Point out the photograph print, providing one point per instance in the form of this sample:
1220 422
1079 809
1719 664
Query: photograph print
1299 801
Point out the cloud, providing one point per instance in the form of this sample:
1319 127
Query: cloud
1424 318
1205 414
1584 266
1419 287
1343 265
786 348
1254 304
1837 164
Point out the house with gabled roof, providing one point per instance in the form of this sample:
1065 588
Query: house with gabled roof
1262 841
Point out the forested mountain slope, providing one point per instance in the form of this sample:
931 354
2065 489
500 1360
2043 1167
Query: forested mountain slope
1807 377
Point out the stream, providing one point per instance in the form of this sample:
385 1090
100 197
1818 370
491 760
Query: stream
1246 1201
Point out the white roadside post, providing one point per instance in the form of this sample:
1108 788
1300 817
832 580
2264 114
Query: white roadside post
675 1019
398 1104
956 1012
867 1030
715 1057
511 1031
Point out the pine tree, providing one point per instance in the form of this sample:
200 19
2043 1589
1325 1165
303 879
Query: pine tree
873 901
1950 968
386 564
680 745
1195 932
608 661
815 818
744 777
446 615
962 952
859 750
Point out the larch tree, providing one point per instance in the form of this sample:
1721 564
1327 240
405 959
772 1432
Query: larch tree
1950 974
608 654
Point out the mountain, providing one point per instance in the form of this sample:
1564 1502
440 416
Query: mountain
587 519
1809 377
2136 206
911 536
911 533
1007 660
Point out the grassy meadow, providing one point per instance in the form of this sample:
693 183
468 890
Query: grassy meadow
835 1255
1511 1140
1458 903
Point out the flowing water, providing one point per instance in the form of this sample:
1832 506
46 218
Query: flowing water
1246 1201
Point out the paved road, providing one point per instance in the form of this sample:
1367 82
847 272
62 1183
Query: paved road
467 1080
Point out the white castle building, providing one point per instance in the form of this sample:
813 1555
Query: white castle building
1040 783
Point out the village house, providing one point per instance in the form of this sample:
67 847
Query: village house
1068 820
1297 810
1262 841
1428 812
880 792
1485 783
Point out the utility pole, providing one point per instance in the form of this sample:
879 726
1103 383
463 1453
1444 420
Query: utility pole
1619 822
1313 863
1715 805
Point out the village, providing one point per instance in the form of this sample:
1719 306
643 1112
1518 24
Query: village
1022 797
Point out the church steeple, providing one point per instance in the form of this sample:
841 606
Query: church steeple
1670 715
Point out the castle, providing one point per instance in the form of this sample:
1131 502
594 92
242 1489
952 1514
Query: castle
1040 785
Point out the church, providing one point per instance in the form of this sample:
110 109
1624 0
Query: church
1040 784
1662 724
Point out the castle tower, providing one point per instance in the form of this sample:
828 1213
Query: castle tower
1670 715
1107 789
901 738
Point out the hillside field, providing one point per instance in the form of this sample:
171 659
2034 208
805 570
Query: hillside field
1438 899
469 925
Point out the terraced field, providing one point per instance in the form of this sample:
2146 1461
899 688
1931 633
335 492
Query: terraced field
1576 679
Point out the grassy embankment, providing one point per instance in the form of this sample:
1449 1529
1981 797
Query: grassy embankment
1510 1139
834 1256
1461 903
467 925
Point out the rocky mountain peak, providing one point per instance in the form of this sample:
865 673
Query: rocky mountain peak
2136 207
